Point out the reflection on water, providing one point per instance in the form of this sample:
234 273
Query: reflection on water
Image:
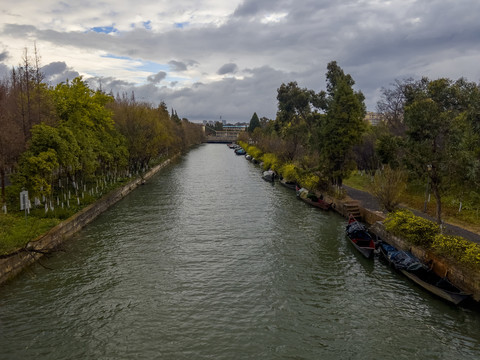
209 261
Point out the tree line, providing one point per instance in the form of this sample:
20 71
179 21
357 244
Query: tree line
70 134
429 133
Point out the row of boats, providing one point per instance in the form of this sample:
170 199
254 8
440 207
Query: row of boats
361 239
404 262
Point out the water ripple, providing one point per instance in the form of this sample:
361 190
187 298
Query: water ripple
208 261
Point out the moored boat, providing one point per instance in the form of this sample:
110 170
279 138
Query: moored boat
360 237
240 151
289 184
310 198
415 270
268 175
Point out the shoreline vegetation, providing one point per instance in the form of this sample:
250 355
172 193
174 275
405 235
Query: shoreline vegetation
423 151
63 147
68 145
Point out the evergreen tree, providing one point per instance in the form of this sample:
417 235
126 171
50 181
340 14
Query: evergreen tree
343 125
254 123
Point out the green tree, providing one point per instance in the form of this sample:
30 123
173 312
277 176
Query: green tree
85 113
436 119
254 123
343 124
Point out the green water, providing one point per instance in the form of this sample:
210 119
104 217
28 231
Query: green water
208 261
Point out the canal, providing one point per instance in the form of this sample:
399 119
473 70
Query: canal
208 261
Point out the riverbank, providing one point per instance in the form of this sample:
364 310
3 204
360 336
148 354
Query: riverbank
462 277
14 263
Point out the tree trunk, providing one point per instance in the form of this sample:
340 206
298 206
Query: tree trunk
438 199
2 177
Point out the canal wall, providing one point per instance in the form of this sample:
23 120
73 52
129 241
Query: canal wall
12 264
465 279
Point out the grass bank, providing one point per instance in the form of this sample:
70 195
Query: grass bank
466 216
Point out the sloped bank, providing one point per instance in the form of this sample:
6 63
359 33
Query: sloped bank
11 265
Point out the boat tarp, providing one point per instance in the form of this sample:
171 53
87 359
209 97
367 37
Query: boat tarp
402 259
357 230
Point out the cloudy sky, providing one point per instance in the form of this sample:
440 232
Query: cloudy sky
215 58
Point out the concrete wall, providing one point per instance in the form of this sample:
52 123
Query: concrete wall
13 264
465 279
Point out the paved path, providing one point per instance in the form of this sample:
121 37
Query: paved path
368 201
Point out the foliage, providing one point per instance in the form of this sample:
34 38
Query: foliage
436 116
70 144
270 161
309 181
254 123
414 229
461 250
289 172
388 186
252 150
343 125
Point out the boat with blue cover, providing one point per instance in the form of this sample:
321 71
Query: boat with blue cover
418 272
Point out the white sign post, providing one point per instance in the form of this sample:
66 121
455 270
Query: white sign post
24 202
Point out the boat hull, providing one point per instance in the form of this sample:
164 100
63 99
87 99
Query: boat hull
360 238
451 296
368 251
423 277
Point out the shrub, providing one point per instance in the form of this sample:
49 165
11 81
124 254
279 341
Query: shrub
388 186
414 229
254 151
309 181
289 172
461 250
270 161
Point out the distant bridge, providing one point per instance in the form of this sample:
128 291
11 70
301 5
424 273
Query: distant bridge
223 137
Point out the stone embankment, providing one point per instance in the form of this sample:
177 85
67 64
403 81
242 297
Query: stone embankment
465 279
15 263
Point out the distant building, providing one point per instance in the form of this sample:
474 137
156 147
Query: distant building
373 118
235 127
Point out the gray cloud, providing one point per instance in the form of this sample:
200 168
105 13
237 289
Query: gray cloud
229 68
180 66
57 72
375 42
177 65
157 78
3 55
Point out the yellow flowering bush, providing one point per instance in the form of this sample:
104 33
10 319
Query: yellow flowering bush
289 172
458 248
252 150
415 229
270 161
309 181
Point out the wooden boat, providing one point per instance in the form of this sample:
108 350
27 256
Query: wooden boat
415 270
360 237
304 195
268 175
288 184
240 151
